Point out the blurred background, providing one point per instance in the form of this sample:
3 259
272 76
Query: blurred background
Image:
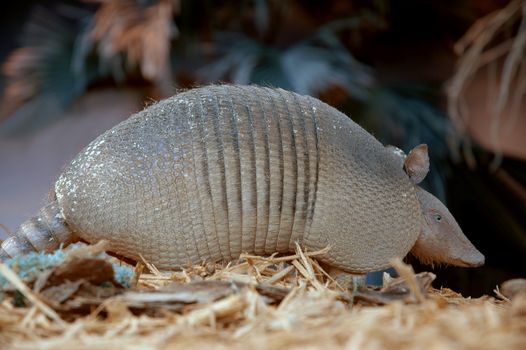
451 74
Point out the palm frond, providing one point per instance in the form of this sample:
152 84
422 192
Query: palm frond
237 57
140 33
308 67
38 75
495 38
317 63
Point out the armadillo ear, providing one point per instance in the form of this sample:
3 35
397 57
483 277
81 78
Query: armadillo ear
416 164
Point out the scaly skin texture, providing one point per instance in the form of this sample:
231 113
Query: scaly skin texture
216 171
221 170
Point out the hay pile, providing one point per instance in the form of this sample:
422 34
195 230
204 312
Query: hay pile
271 303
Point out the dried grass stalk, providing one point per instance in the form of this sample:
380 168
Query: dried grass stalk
244 305
142 33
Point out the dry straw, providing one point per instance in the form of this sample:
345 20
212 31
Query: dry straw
258 302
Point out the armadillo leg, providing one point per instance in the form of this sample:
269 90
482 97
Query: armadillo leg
344 279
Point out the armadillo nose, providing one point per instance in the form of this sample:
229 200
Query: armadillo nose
480 260
475 259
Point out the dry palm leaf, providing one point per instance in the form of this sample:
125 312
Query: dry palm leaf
40 70
142 34
499 35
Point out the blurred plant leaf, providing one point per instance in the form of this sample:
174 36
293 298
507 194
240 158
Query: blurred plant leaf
65 48
315 64
140 31
237 55
39 78
307 67
261 15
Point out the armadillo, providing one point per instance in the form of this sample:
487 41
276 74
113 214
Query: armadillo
218 171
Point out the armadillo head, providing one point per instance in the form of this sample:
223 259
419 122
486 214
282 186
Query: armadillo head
441 240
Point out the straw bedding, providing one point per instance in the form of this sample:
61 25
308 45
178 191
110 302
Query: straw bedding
282 302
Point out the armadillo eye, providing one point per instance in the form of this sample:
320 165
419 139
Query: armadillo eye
438 217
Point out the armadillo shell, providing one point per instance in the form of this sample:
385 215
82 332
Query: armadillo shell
217 171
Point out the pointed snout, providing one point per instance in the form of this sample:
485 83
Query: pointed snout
461 251
473 259
441 239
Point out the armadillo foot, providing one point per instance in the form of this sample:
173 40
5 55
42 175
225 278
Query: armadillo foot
346 280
